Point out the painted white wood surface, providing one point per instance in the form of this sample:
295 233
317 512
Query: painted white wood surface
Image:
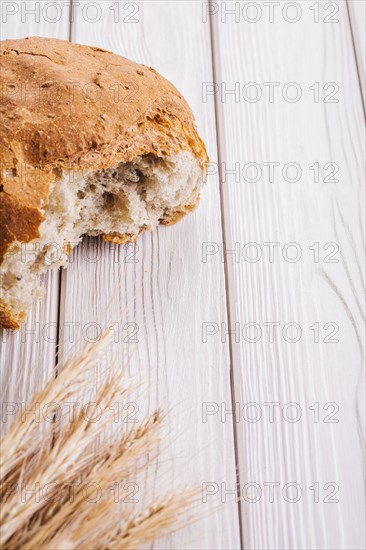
305 292
357 11
27 357
168 292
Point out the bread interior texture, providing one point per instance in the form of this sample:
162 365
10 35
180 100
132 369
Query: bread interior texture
127 199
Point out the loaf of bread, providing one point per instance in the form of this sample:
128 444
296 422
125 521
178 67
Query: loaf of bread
90 144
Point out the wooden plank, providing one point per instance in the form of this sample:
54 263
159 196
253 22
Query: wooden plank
20 19
357 13
28 356
316 55
163 289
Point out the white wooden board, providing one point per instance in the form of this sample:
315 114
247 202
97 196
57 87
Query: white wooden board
168 292
161 296
306 291
357 13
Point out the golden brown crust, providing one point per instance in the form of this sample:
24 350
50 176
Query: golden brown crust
76 107
10 319
65 103
18 222
170 218
118 238
174 217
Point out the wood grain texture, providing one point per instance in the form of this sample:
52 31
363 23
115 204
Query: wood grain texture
306 291
357 13
162 290
27 358
20 19
158 294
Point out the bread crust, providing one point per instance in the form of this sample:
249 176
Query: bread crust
11 319
74 107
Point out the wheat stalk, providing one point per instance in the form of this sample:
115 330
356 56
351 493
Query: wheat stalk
158 518
24 433
72 455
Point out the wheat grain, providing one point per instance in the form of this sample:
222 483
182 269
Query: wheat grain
73 454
